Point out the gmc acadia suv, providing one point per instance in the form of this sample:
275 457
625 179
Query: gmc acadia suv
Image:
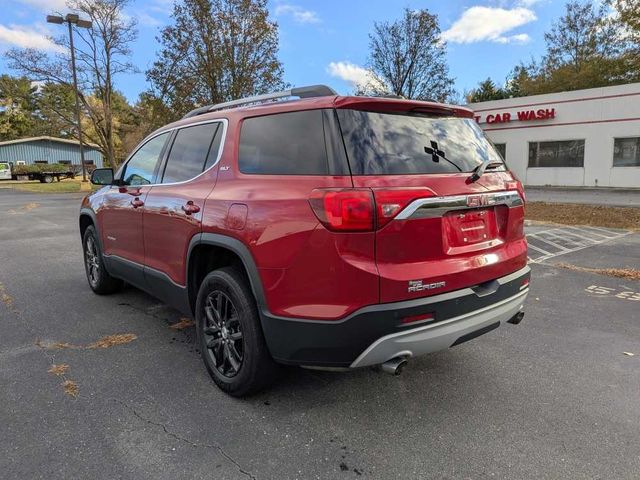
328 231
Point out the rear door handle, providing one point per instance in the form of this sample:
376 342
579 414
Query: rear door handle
190 208
136 202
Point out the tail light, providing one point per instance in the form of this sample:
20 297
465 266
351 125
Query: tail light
516 184
348 210
391 201
361 209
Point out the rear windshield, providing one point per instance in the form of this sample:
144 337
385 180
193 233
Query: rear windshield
401 144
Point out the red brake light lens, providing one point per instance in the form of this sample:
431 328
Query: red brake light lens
362 209
516 185
391 201
348 210
417 318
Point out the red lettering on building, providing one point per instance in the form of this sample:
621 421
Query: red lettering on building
523 116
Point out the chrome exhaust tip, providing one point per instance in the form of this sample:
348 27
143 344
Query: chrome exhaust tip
394 366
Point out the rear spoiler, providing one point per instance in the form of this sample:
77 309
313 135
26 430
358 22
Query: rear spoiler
385 104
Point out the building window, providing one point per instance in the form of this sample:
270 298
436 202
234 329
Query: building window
502 149
41 162
626 152
568 153
65 162
88 162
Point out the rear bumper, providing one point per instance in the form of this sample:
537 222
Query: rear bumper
442 335
375 334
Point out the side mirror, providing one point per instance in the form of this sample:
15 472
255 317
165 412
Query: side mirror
102 176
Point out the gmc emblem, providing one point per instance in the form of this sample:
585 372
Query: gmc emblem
479 200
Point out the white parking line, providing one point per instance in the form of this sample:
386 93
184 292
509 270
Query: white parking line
610 232
550 242
584 231
588 238
565 239
544 252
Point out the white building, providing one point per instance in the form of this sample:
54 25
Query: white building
581 138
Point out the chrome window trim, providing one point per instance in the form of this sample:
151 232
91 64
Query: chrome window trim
433 207
225 124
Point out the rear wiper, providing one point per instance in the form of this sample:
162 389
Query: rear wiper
437 154
479 170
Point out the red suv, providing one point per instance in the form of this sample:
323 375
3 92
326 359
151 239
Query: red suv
329 231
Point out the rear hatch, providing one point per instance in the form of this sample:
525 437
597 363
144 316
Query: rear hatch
436 230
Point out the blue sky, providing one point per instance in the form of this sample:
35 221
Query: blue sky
326 41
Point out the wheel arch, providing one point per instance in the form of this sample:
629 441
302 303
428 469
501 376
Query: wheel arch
88 218
209 251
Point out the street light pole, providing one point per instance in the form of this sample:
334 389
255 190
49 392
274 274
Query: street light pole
71 18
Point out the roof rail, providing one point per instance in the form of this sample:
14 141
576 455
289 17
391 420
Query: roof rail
301 92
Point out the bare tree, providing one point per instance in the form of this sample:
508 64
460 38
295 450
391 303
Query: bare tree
216 50
408 58
102 53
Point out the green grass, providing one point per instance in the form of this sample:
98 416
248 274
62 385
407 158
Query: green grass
65 186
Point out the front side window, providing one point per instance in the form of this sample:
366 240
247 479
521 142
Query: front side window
192 151
626 152
567 153
284 144
410 144
141 167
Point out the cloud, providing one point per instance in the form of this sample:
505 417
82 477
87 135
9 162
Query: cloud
479 24
528 3
299 14
47 5
519 38
144 19
24 37
353 74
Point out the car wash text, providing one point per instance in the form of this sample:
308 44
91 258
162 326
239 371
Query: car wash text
522 116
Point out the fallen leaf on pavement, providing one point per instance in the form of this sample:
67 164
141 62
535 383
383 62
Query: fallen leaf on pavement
182 324
59 370
112 340
70 388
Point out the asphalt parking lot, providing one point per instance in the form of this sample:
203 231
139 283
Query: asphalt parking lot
554 397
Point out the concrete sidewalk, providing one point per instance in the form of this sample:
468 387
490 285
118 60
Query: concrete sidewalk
587 196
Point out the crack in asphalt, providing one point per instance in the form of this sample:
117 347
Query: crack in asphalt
186 440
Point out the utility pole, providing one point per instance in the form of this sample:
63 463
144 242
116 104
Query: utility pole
72 18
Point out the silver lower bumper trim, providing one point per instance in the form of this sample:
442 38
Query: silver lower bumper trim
438 336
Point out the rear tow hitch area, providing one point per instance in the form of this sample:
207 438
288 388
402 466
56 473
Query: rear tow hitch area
394 366
516 319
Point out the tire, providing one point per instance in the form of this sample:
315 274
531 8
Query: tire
99 279
230 337
47 179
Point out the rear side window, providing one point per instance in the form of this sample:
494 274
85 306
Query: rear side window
401 144
193 149
284 144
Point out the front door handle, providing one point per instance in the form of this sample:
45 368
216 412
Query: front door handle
190 208
136 202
